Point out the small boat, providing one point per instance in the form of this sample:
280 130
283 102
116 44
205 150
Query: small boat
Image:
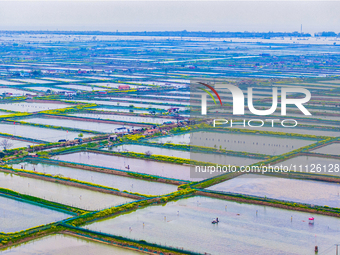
215 221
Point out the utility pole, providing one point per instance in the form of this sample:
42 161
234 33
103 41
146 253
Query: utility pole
336 251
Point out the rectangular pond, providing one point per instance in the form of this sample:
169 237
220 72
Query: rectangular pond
187 223
58 244
248 142
129 164
176 139
332 149
15 92
64 194
141 105
108 180
302 191
80 87
79 124
121 110
13 144
124 118
314 165
16 215
205 157
32 107
311 131
40 133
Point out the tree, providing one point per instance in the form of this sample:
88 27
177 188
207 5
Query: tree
6 144
80 135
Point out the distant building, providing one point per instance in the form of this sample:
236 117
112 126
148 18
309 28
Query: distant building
121 130
151 131
174 109
123 87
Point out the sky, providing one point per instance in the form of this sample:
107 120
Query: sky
259 16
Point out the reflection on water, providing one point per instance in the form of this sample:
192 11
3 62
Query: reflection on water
303 191
60 244
16 216
243 228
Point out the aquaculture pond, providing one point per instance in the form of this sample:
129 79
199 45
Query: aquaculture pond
248 142
13 144
79 124
124 118
296 130
205 157
39 133
64 194
302 191
332 149
129 164
60 244
37 81
314 165
142 99
242 228
176 139
108 180
121 110
80 87
16 215
15 92
31 107
146 105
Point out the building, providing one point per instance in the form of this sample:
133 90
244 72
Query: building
151 131
123 87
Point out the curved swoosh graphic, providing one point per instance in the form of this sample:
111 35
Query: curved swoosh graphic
213 90
209 93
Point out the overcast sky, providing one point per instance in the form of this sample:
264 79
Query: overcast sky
260 16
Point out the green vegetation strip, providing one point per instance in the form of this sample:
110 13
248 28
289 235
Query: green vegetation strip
41 202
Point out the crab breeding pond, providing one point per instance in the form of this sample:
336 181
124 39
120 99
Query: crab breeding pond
39 133
32 107
61 244
204 157
60 193
186 222
17 215
108 180
253 143
302 191
176 139
129 164
332 149
313 165
124 118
